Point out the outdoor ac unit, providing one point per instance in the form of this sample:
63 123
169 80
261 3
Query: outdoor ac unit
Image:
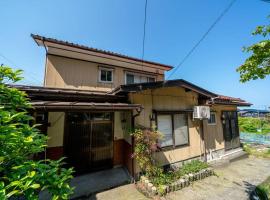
201 112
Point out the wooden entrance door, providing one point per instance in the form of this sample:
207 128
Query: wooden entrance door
230 130
89 141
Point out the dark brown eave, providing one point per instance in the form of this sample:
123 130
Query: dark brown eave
60 106
41 40
239 104
63 94
124 89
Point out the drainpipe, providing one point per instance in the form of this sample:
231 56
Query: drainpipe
204 141
132 140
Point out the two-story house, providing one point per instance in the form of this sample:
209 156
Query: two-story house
92 98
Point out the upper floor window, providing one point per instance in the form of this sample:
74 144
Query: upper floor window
138 78
106 75
212 120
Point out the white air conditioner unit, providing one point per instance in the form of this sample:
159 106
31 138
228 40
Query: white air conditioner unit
201 112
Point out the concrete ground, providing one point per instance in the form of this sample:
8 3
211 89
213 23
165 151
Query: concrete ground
99 181
88 184
234 181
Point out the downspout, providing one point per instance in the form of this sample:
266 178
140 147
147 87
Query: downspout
132 140
204 142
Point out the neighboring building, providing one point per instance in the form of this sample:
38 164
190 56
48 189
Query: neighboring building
254 113
91 99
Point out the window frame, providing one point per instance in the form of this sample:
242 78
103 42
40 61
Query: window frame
140 75
211 123
105 69
172 113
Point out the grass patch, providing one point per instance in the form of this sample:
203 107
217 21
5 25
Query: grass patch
170 176
263 190
256 152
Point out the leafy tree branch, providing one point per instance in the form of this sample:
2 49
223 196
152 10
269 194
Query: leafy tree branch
257 66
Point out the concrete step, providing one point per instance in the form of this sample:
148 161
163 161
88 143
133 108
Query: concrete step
235 154
231 156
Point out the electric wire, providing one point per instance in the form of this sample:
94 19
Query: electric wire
203 37
34 80
144 29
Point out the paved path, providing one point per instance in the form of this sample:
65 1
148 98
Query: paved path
233 182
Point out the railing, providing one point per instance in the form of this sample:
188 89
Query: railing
255 138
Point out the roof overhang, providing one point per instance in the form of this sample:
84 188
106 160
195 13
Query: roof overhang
71 50
63 106
64 94
226 100
124 89
210 97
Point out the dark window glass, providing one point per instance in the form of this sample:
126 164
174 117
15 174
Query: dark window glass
129 79
101 116
212 119
106 75
150 79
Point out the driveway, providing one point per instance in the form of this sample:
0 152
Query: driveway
234 181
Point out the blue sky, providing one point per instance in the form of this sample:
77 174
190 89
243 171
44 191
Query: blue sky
173 27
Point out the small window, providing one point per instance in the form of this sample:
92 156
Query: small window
138 78
212 120
129 78
106 75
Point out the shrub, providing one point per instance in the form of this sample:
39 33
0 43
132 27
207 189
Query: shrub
263 190
20 175
251 125
145 145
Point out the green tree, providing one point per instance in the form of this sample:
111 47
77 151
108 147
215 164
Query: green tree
20 175
257 65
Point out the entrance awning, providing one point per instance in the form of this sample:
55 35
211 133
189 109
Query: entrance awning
63 105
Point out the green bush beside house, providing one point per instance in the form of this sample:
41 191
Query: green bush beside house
20 175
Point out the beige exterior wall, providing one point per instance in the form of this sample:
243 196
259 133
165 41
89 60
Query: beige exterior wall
214 133
173 99
170 99
72 73
118 131
166 99
56 129
122 125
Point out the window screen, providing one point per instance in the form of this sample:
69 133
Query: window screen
174 128
180 129
165 127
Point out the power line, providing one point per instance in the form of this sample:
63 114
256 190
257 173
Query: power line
203 37
14 64
144 28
